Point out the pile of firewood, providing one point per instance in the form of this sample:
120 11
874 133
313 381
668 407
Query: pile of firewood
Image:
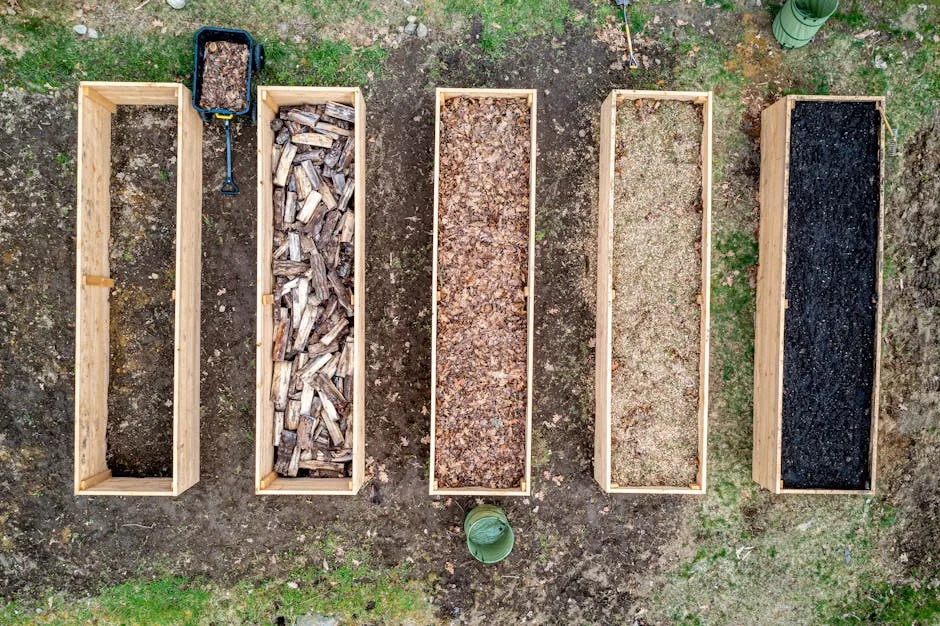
314 226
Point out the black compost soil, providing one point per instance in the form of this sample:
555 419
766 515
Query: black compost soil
832 239
143 235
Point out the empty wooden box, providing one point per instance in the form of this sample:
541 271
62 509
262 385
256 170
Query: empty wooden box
818 327
267 481
96 104
605 418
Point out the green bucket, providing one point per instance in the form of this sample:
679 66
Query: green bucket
489 536
799 20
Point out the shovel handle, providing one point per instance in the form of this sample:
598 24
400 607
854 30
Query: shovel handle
228 188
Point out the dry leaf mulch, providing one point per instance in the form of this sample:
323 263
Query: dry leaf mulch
225 76
657 271
483 236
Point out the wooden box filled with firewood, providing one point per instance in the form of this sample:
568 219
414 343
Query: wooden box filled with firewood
310 396
483 291
95 309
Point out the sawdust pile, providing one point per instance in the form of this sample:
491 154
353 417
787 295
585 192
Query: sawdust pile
657 277
482 316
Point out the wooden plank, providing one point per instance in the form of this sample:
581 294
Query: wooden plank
603 317
771 301
605 294
441 95
270 99
188 294
122 486
93 231
96 103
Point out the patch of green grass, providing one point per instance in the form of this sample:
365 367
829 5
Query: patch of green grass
724 5
638 20
887 603
504 20
852 16
356 591
321 63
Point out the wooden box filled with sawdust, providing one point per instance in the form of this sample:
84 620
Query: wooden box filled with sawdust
310 396
653 258
818 331
483 292
95 287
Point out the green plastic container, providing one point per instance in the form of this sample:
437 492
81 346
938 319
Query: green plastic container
799 20
489 535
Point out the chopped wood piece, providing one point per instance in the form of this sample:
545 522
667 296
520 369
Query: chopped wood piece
342 297
310 205
304 184
299 299
332 128
318 277
314 156
290 207
340 111
347 195
311 173
346 159
293 242
344 455
281 332
302 117
275 158
329 223
339 182
284 165
330 420
305 432
278 426
325 386
348 380
312 139
328 198
289 268
285 453
349 227
304 329
324 466
329 370
335 153
280 383
334 332
292 415
317 349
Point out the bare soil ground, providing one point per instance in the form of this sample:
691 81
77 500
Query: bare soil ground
657 275
142 255
483 256
580 556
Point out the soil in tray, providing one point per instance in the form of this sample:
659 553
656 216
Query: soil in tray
225 76
142 256
483 238
832 239
657 276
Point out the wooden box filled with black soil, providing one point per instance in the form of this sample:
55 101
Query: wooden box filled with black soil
818 327
138 249
653 261
311 291
482 292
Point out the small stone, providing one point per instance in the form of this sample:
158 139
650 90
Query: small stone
80 29
582 133
412 19
422 31
92 33
880 63
176 4
410 28
616 65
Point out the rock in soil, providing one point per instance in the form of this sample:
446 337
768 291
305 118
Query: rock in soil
482 323
225 76
657 269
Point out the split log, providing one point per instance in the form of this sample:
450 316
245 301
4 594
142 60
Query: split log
314 156
293 241
304 184
334 332
305 432
325 387
278 426
302 117
290 207
292 415
290 269
281 331
312 139
328 198
335 153
338 469
330 420
313 366
347 195
305 328
280 383
317 349
284 165
311 173
340 111
318 276
342 297
310 205
285 453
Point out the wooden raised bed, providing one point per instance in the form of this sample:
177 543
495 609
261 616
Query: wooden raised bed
816 300
96 105
524 485
606 332
267 481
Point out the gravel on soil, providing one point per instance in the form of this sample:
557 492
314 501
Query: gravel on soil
482 323
657 270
